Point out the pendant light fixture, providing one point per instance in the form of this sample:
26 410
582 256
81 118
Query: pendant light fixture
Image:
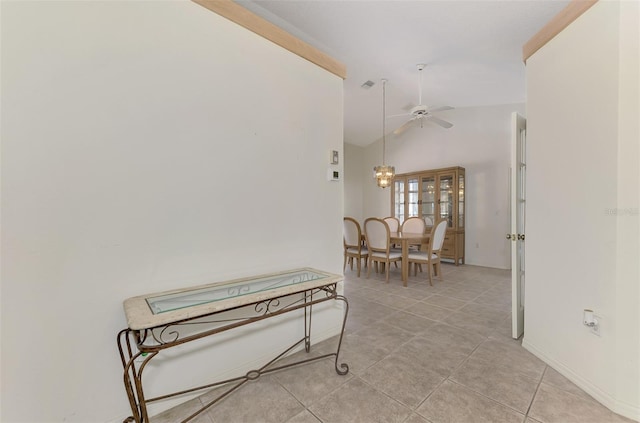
384 174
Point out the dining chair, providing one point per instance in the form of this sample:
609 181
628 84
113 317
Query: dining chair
431 257
428 221
353 248
393 222
379 245
414 225
394 226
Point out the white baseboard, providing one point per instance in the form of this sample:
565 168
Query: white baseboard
484 264
631 411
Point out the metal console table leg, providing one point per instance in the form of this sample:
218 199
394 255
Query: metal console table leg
136 351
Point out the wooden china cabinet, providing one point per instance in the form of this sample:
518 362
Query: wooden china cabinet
434 195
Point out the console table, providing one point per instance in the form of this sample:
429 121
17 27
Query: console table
160 321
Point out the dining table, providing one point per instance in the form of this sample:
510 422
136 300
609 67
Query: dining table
405 239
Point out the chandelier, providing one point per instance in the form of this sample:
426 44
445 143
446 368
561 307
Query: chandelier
384 174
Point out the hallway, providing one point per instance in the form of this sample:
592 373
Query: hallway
419 354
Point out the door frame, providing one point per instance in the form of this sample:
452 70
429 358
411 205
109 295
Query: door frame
517 234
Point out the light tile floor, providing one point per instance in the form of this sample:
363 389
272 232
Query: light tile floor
440 353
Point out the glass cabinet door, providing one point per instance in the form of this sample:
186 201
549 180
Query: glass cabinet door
427 200
434 195
398 199
445 203
461 201
412 196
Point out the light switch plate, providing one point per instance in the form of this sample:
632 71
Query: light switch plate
334 158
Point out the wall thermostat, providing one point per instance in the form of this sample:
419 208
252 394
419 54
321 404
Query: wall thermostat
333 174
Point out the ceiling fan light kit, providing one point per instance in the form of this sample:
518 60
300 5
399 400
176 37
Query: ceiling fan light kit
384 174
421 112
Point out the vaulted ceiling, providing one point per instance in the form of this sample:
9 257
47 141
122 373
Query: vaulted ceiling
472 49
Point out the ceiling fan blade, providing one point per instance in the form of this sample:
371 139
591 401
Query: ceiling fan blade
439 109
441 122
404 127
409 107
401 114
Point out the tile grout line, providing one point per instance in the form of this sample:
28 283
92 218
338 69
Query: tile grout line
447 378
489 398
385 394
546 367
486 339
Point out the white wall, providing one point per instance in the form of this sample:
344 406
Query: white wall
627 313
479 141
354 181
148 146
582 212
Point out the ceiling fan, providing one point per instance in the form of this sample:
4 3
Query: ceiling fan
421 113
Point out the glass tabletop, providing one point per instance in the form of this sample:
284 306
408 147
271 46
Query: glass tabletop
189 298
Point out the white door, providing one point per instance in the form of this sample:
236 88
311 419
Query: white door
518 206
